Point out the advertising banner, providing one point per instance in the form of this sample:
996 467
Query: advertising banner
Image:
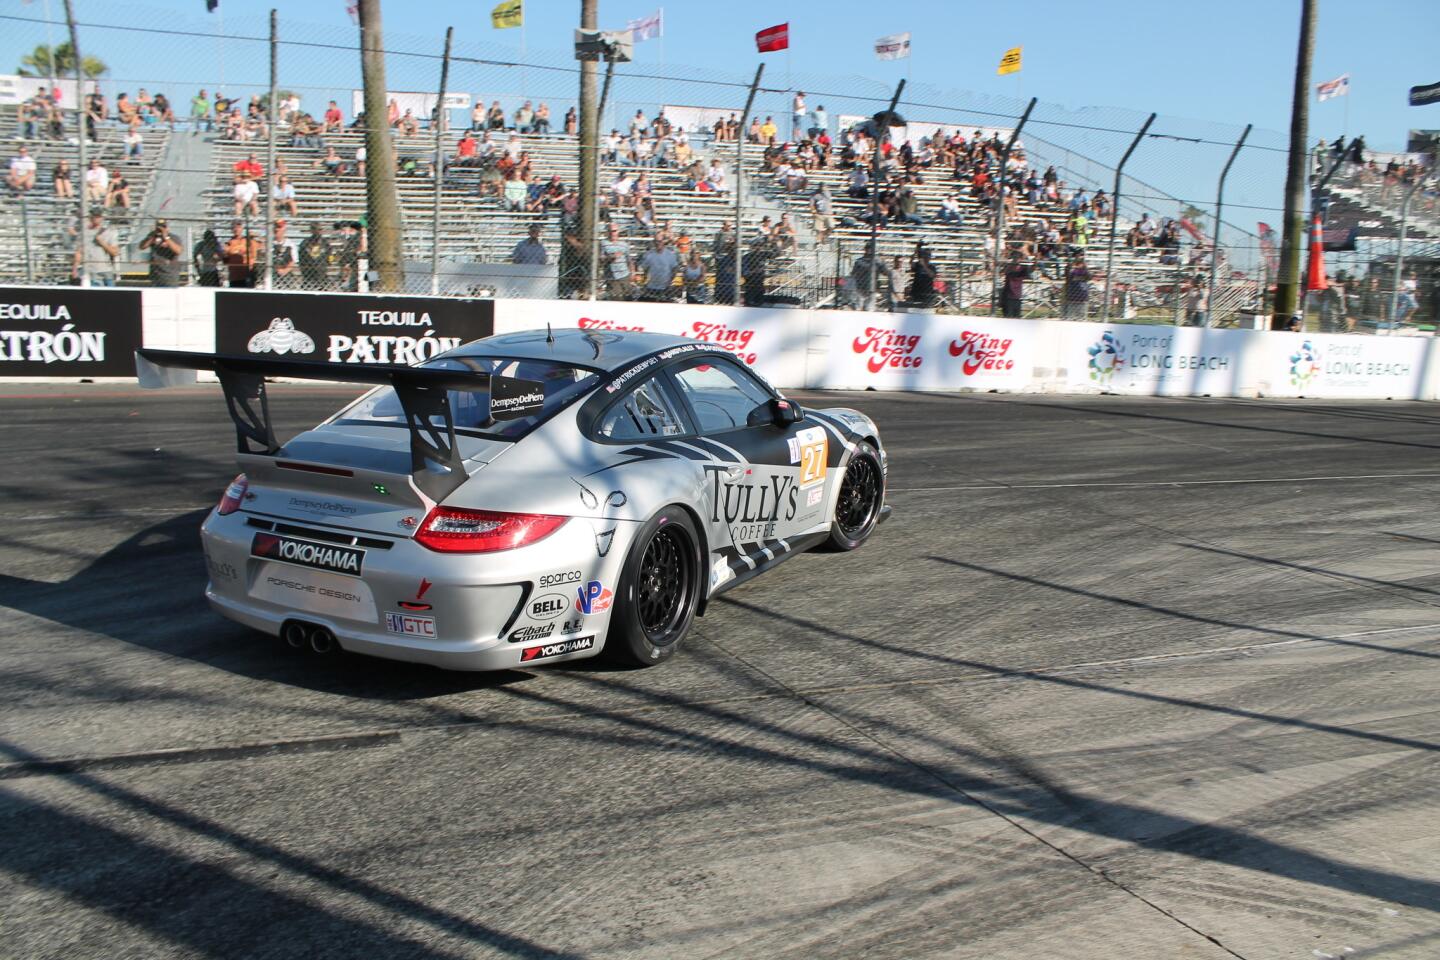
920 351
68 332
1316 365
1156 360
347 328
774 342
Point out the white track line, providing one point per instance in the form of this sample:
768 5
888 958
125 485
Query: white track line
1002 485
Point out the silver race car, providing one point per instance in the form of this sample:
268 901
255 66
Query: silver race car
524 499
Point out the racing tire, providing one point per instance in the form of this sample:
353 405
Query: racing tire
858 503
659 592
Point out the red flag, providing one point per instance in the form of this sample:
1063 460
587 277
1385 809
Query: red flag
773 38
1267 247
1315 276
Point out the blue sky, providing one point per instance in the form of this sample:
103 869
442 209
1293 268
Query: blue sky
1207 67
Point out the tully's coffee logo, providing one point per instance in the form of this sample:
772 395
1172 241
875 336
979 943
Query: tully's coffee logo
548 607
888 350
303 553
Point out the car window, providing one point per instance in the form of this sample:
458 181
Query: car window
645 412
722 395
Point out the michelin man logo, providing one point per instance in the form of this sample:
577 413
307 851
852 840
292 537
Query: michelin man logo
281 337
1107 355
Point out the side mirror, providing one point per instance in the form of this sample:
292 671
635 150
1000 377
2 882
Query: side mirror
785 412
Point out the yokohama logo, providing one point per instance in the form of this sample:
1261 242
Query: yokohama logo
556 649
982 352
888 348
302 553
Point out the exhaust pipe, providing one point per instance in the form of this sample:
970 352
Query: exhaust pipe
322 641
295 634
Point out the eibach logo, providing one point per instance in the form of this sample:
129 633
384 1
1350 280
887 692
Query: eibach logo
590 323
888 348
735 339
982 352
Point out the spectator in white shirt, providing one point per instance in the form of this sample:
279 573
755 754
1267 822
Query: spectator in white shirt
797 111
22 171
97 182
284 194
716 176
246 197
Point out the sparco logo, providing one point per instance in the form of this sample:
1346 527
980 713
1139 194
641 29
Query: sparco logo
888 348
982 352
556 649
302 553
548 607
734 339
42 346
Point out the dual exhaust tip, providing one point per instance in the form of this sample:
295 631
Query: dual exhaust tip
305 636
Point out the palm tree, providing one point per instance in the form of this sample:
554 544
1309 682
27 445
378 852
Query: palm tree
42 62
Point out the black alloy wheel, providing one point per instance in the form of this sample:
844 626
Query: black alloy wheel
859 500
664 585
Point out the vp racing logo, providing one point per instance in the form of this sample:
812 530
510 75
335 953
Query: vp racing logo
1107 355
1304 365
281 337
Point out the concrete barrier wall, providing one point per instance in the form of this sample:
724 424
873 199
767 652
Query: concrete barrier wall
918 351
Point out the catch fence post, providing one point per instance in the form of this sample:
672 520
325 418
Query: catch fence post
1215 242
593 162
740 188
82 106
439 166
268 241
1115 216
1000 208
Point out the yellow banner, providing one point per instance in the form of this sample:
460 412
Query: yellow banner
1010 63
509 13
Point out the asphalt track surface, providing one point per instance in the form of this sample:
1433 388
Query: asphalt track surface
1121 678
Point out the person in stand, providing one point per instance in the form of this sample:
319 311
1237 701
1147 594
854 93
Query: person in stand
284 259
660 265
530 250
241 252
922 277
314 258
206 258
857 285
1012 294
348 250
615 255
1197 303
165 253
574 263
1076 302
100 253
693 275
64 186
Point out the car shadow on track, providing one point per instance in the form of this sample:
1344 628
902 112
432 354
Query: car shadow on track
149 591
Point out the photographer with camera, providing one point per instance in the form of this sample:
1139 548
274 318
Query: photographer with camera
165 253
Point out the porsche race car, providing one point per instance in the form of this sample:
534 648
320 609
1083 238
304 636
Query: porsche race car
525 499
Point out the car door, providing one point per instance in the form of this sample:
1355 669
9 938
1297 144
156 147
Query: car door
768 483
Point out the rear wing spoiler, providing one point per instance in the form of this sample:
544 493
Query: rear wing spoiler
435 462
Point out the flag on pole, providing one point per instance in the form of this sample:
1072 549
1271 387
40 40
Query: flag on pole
507 14
1010 63
648 28
773 38
1267 246
1331 89
894 47
1425 93
1315 276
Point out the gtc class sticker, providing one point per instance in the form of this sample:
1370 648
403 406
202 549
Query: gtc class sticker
408 625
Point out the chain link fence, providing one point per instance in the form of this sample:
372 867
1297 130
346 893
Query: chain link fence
978 204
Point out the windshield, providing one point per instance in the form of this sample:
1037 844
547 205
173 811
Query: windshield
471 408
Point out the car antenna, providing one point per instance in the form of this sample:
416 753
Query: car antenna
549 334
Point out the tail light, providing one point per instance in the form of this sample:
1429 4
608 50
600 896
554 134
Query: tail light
234 494
452 530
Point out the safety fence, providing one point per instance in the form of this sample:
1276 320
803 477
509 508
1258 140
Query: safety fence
257 160
64 332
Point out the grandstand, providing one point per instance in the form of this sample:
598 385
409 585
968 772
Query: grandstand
476 228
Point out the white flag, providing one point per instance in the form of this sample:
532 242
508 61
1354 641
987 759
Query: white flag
648 28
1338 87
893 47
